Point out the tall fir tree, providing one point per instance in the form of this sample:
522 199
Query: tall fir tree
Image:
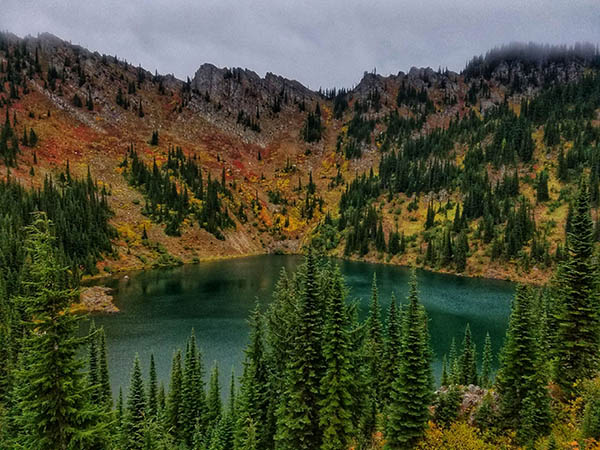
521 378
335 415
453 363
298 412
408 411
578 326
444 378
254 395
468 360
174 400
213 398
152 390
393 343
104 377
374 345
430 217
162 398
486 363
193 401
135 414
53 409
462 251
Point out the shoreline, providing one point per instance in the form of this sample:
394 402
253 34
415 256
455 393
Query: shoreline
125 270
98 298
498 275
99 301
95 299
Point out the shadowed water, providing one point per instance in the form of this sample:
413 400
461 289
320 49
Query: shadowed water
160 307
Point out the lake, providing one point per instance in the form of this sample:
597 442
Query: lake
159 308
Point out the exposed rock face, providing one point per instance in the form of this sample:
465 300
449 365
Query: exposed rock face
244 89
533 76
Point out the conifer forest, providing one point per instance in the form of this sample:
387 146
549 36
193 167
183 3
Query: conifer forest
116 181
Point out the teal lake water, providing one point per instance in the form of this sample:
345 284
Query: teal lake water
159 308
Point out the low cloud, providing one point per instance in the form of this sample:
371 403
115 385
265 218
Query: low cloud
321 44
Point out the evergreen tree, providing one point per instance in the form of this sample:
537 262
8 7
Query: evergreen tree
468 360
486 363
54 411
213 399
221 435
454 368
193 401
374 345
408 411
462 250
335 415
380 238
298 412
447 406
445 377
535 416
33 139
152 390
175 396
542 187
394 243
250 431
430 219
136 408
577 320
254 391
231 409
154 138
162 398
520 380
104 377
457 224
393 343
486 416
563 168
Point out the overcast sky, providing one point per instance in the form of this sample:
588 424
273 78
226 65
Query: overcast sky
319 43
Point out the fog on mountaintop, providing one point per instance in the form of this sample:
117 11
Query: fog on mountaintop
321 44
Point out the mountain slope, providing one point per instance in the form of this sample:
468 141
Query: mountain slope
282 156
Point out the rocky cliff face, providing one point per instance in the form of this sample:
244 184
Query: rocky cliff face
243 89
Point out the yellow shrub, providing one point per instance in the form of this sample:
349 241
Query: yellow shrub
460 436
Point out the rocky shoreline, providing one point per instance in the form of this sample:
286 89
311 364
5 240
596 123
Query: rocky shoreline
96 299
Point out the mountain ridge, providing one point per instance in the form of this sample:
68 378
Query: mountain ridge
269 138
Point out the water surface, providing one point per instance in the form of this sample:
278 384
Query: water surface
159 308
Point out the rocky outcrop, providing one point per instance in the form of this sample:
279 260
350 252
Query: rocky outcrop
96 299
244 89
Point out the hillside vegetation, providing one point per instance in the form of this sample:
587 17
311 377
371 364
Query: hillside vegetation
494 172
471 173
